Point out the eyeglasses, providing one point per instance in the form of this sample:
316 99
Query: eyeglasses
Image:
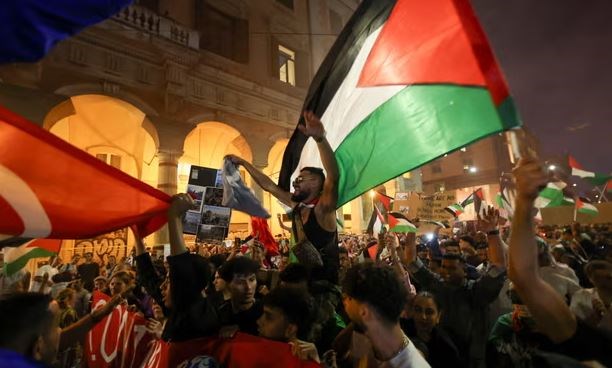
300 179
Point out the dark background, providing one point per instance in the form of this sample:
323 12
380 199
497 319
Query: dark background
557 58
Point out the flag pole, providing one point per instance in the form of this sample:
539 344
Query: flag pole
576 208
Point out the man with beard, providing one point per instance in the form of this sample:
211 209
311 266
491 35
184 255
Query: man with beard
314 198
374 298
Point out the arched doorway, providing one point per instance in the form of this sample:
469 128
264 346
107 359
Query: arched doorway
206 145
117 133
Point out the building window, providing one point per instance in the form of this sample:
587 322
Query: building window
436 169
467 164
287 3
223 34
286 65
113 160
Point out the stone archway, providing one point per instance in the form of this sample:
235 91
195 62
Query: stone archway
110 129
206 145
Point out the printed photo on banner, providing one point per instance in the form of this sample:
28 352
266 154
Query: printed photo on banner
211 232
197 193
191 222
213 196
218 216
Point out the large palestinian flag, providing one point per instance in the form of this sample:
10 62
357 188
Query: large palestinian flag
405 82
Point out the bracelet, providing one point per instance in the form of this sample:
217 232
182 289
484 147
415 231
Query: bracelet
493 232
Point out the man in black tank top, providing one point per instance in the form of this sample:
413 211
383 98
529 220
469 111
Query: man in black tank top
315 196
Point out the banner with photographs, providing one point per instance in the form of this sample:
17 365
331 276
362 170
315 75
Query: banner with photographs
208 221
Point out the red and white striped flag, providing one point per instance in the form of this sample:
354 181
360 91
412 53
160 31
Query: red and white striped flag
51 189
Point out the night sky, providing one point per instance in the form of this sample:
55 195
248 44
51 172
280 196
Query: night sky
557 58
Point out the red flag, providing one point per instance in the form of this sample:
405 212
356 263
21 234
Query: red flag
241 351
119 340
51 189
261 230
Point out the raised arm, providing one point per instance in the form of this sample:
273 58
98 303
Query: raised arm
552 316
180 204
263 180
315 129
489 224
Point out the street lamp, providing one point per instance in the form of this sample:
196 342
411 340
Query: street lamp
473 169
552 167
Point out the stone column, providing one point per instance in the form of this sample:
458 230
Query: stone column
166 182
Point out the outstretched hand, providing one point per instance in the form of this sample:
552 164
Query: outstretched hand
180 204
313 127
235 159
490 221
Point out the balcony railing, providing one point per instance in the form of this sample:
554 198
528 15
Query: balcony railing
155 24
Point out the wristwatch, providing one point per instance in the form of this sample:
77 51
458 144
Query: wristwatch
493 232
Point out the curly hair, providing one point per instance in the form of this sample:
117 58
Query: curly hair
378 286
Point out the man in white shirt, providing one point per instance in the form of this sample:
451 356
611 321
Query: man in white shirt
374 298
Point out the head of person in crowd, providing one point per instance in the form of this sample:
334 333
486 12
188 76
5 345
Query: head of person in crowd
42 281
451 247
482 249
240 275
422 252
218 282
295 275
29 326
217 261
600 274
100 283
18 282
287 315
435 265
308 185
466 242
284 261
453 269
345 261
426 313
544 255
88 257
77 285
75 259
567 235
112 261
120 282
373 296
66 298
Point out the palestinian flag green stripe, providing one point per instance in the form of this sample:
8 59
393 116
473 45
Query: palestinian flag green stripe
20 260
428 119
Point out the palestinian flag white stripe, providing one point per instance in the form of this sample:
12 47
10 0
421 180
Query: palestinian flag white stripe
403 226
350 105
586 208
16 258
550 196
384 87
582 173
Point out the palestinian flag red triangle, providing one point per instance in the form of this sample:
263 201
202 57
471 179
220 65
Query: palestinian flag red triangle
413 78
433 42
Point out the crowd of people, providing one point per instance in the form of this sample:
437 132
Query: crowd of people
517 296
